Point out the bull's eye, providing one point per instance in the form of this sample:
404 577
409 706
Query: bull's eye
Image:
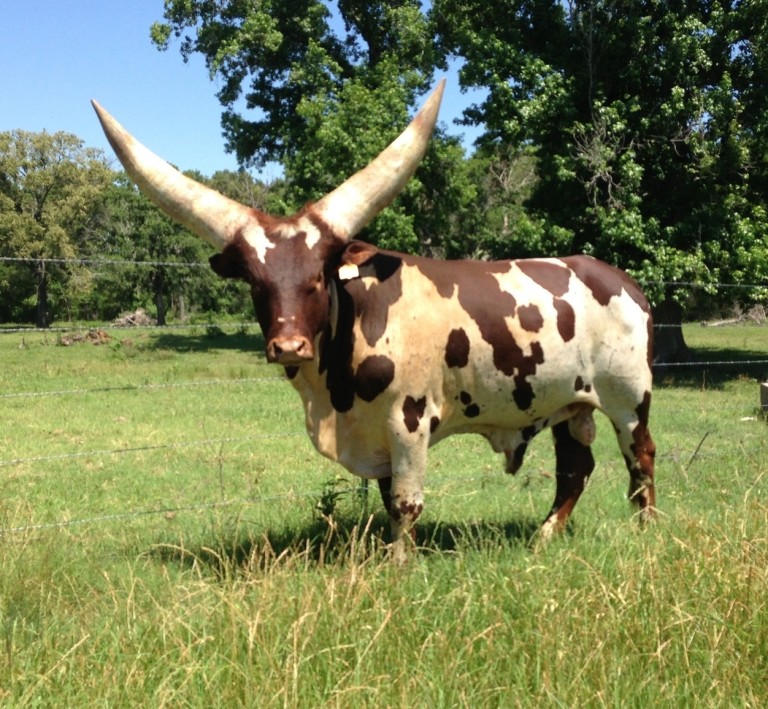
258 290
315 285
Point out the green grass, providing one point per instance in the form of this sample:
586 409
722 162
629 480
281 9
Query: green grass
212 558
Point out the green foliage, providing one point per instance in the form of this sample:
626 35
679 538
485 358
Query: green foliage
278 56
636 132
328 100
64 216
139 232
51 189
646 120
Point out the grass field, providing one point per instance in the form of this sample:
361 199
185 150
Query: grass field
170 538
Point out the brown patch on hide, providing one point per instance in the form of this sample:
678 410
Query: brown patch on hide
373 376
413 411
457 349
530 318
549 276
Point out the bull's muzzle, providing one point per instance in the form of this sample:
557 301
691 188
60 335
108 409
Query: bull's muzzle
290 351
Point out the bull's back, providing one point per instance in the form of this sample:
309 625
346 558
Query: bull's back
534 323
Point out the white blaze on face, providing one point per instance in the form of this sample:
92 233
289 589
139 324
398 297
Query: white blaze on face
312 233
257 239
302 227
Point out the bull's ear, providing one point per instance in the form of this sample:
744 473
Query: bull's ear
225 266
357 253
361 259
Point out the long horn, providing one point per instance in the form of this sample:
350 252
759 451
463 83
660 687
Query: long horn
204 211
358 200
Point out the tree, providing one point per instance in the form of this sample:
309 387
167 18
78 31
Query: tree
279 57
324 89
158 250
50 194
244 188
647 122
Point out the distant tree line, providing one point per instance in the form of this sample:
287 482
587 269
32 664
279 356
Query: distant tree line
78 241
634 131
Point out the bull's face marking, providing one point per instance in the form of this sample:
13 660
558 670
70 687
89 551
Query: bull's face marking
257 239
287 270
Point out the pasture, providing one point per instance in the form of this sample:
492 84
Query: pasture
170 538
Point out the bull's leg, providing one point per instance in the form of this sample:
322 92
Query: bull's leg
515 453
574 464
639 453
401 520
385 488
403 494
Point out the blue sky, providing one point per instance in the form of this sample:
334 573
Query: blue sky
58 54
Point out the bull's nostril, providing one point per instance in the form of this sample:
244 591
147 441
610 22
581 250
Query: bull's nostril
290 349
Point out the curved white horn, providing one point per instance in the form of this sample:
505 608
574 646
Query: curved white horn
204 211
358 200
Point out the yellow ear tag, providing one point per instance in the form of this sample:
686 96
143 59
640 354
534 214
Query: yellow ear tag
348 271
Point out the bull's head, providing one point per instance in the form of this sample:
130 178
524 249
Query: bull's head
287 261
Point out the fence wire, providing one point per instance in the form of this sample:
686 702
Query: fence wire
133 514
677 457
93 261
141 449
434 486
140 387
104 262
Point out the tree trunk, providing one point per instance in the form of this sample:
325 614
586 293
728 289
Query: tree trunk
160 297
668 342
43 308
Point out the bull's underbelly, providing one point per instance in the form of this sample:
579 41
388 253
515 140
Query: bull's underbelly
361 439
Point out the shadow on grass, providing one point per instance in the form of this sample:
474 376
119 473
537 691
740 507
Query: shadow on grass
712 367
208 339
323 542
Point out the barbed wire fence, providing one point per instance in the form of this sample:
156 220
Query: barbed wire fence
678 457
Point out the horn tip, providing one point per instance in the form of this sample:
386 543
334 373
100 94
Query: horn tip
101 112
439 89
